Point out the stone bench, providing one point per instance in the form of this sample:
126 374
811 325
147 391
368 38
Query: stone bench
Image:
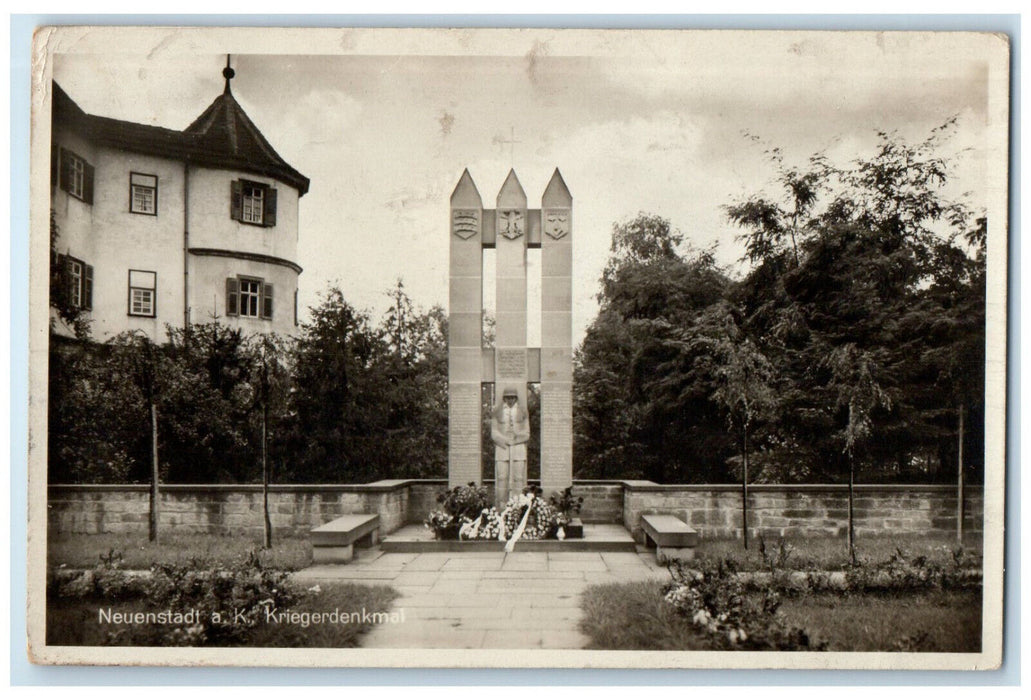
333 543
672 538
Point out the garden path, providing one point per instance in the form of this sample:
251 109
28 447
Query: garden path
489 600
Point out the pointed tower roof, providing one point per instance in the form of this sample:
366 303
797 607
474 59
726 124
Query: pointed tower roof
224 128
511 195
223 136
556 194
466 196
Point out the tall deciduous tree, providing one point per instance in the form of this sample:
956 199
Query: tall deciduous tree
134 357
271 387
857 389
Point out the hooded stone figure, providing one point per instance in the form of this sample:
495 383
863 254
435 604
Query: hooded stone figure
510 431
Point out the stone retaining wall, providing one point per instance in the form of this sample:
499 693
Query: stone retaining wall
220 509
713 510
804 510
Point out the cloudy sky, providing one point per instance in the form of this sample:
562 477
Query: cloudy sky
653 122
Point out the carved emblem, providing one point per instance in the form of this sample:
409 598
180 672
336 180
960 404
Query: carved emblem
466 223
556 223
510 223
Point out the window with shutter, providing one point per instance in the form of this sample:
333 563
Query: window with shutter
253 203
249 297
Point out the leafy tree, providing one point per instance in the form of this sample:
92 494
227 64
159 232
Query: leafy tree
638 409
876 268
207 429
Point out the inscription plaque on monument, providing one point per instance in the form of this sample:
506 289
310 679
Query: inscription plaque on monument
510 362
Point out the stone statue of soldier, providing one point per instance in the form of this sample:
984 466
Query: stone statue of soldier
510 431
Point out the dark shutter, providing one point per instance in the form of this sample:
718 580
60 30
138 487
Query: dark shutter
270 207
87 183
66 170
232 296
266 301
69 280
236 201
60 287
87 287
55 166
295 307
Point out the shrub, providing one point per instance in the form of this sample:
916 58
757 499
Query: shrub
227 601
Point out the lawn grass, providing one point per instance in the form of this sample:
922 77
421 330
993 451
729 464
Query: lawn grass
634 616
830 553
940 621
74 622
84 551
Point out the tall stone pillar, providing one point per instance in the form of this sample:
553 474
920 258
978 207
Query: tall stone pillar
464 334
556 336
510 365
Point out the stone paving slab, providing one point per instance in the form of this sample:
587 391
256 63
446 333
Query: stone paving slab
472 564
490 600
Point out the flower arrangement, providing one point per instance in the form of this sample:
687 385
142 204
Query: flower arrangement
487 526
566 505
457 506
466 514
541 519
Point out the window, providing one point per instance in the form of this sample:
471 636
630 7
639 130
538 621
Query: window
78 282
249 297
143 194
253 203
142 290
76 176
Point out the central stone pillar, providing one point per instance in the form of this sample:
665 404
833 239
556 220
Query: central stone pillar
510 365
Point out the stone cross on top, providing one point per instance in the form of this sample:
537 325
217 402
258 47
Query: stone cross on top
510 228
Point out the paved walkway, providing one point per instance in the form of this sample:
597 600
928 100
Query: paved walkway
524 600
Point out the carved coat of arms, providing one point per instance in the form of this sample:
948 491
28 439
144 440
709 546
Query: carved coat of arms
466 223
556 223
510 223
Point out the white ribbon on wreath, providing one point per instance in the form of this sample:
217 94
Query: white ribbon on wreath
470 529
526 499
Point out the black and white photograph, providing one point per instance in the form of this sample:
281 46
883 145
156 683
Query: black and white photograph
518 348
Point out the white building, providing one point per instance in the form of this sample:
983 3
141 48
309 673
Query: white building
158 226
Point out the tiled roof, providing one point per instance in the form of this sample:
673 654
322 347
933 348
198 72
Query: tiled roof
223 136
